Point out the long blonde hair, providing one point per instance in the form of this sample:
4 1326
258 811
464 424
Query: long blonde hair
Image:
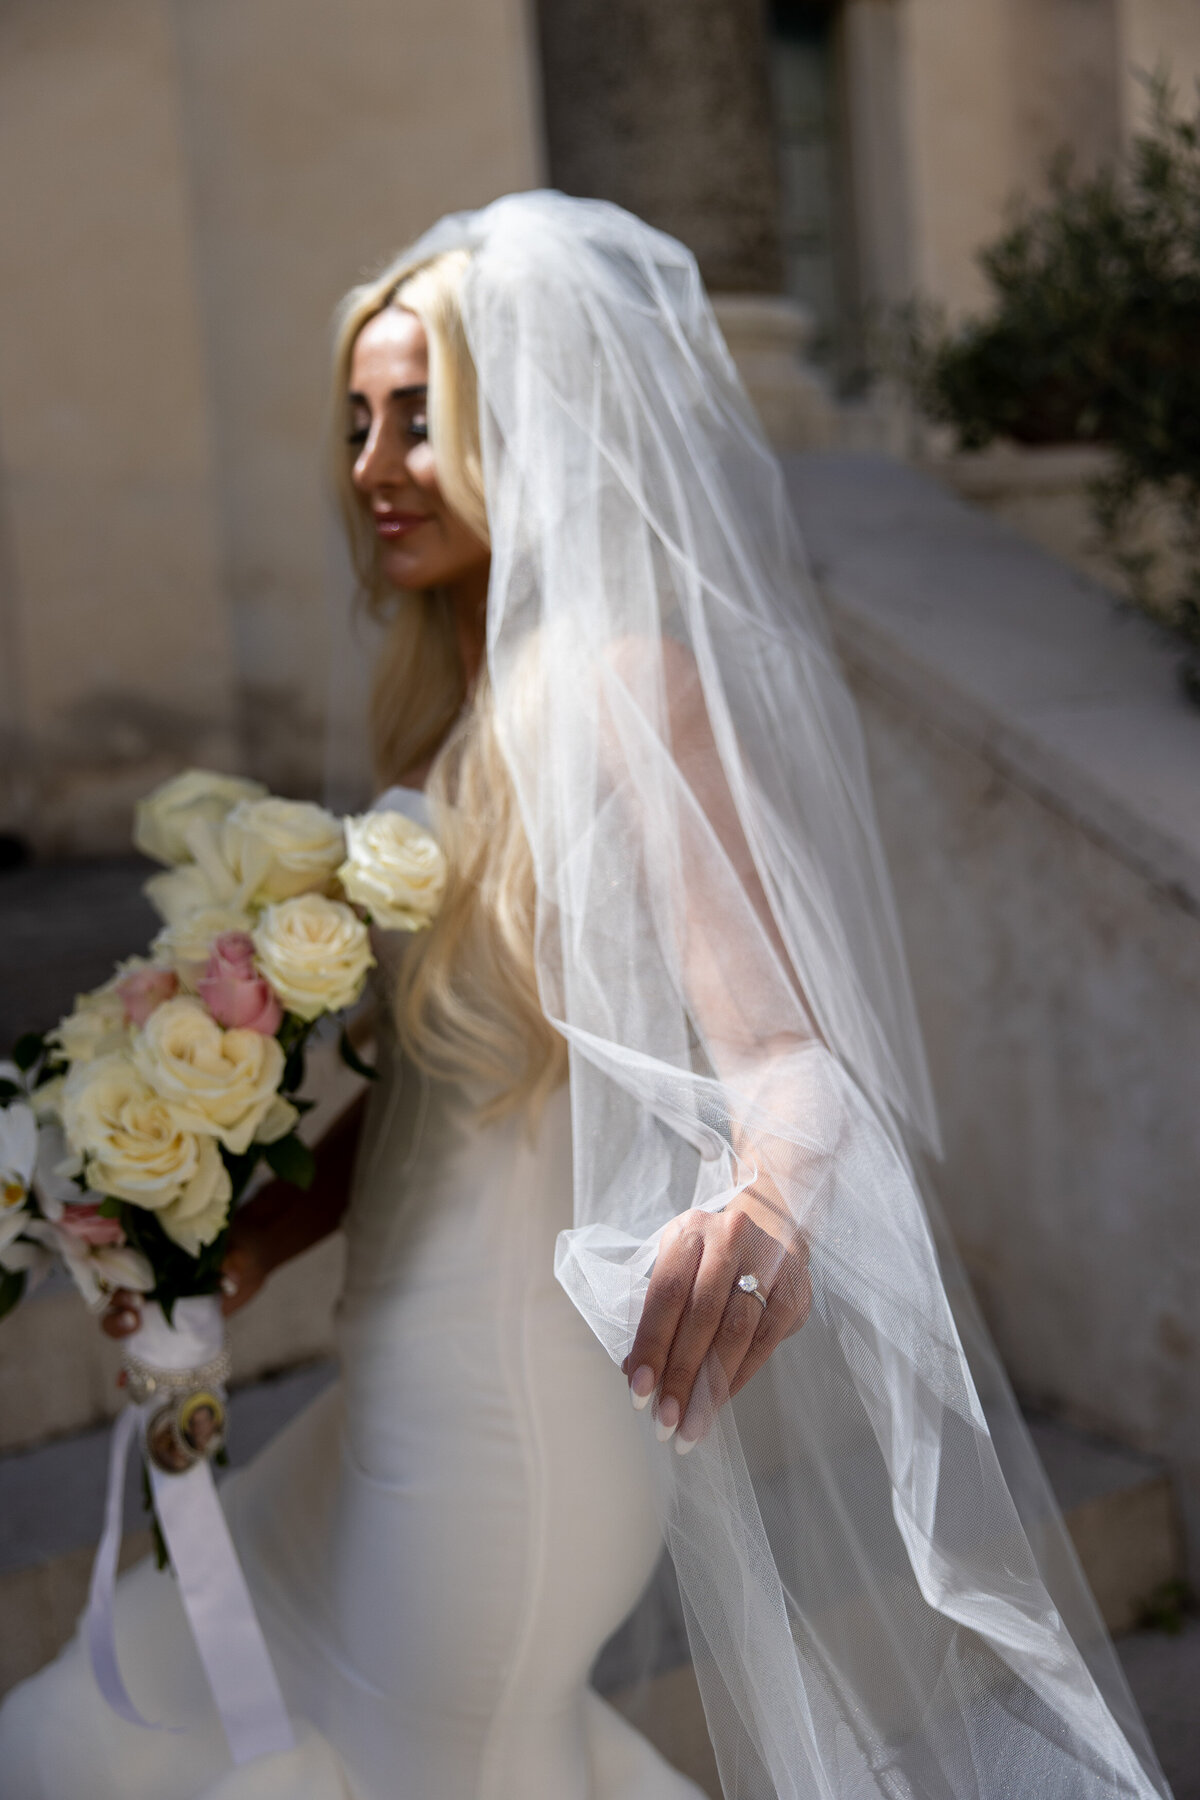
467 1003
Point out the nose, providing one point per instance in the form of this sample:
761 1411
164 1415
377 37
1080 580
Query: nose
380 462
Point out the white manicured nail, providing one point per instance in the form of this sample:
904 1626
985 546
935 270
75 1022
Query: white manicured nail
667 1420
641 1388
683 1445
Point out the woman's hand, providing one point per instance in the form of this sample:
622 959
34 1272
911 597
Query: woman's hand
697 1318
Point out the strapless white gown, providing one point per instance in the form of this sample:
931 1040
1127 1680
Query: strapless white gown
437 1548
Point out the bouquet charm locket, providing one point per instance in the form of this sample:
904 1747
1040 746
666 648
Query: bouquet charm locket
131 1130
178 1373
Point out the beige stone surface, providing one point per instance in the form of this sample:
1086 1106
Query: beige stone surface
1034 765
1130 1548
321 138
184 194
117 619
40 1605
768 337
670 1712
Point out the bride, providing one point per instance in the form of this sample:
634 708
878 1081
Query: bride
648 1130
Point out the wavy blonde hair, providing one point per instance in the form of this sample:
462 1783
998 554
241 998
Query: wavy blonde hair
467 1004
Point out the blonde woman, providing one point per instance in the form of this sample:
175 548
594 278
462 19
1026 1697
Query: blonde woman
645 1138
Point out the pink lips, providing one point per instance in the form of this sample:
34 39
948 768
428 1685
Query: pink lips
398 524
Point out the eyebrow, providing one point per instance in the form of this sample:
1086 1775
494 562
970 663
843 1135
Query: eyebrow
402 393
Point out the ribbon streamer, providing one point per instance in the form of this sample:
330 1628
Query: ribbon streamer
212 1586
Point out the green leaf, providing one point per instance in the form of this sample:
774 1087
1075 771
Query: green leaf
109 1207
353 1060
27 1050
292 1161
12 1286
293 1070
241 1168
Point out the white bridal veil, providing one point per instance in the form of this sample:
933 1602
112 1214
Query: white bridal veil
879 1596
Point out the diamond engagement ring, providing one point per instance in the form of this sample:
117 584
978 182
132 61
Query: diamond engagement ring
750 1284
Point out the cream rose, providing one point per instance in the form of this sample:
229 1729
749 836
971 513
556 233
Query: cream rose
175 894
314 952
97 1026
199 1215
187 945
134 1144
162 820
218 1083
277 848
394 868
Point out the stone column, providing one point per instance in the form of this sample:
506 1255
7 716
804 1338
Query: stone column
666 110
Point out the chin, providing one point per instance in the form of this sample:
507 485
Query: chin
409 573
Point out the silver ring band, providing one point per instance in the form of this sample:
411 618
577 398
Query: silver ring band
750 1284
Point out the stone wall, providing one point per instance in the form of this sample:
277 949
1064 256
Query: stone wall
185 191
1035 770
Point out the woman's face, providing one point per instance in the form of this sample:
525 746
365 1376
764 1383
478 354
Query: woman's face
422 544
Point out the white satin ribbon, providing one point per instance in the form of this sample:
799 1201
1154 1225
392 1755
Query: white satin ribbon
211 1584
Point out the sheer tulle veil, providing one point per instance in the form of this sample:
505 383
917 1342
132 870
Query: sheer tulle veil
879 1595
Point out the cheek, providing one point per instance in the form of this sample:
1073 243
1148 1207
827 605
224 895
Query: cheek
423 471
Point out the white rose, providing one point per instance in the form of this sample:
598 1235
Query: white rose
394 868
96 1027
277 848
134 1144
219 1083
199 1215
175 894
315 953
186 945
163 819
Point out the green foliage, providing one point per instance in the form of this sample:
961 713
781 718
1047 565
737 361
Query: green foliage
1094 337
353 1060
1169 1608
28 1050
178 1275
12 1286
292 1161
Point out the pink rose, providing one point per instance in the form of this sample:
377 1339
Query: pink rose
86 1223
234 992
144 990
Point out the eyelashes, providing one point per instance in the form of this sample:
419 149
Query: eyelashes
416 429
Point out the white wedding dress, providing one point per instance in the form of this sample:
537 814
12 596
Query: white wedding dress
438 1547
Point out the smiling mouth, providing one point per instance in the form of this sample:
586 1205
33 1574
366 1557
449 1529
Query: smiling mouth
398 525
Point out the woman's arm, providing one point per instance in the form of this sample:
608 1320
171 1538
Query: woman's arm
278 1223
695 1316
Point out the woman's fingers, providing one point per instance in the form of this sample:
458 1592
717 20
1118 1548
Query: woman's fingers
788 1306
666 1300
701 1337
241 1278
122 1315
714 1334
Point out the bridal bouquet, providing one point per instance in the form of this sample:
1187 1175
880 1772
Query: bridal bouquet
130 1130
